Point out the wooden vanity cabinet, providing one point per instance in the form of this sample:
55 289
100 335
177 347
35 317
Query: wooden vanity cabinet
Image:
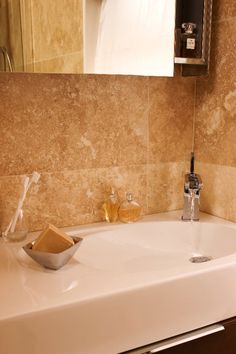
223 342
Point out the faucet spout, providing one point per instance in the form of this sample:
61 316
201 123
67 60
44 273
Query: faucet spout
192 188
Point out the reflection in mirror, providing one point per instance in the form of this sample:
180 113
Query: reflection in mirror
89 36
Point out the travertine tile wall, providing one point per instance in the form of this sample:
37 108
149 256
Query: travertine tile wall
15 43
215 133
55 33
84 133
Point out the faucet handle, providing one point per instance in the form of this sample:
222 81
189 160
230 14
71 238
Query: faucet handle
193 181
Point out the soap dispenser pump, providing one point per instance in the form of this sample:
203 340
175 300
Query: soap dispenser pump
129 210
110 207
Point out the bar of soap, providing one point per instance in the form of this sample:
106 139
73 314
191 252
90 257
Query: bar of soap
52 240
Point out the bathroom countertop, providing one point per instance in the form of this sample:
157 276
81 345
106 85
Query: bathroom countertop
28 289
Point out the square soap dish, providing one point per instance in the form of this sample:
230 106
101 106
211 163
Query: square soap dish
53 260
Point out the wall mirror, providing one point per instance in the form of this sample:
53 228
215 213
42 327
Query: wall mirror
132 37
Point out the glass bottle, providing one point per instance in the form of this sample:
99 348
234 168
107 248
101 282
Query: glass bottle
189 41
129 210
110 207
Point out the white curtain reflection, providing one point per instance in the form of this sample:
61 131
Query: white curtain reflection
136 37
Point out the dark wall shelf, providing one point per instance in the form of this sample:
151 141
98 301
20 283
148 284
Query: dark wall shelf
198 12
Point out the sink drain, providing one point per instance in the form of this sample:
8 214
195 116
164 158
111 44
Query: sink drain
200 259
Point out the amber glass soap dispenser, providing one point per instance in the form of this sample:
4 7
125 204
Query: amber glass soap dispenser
129 210
110 207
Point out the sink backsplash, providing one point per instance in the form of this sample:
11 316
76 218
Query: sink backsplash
84 133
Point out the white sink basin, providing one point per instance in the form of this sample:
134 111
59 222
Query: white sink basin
127 286
152 246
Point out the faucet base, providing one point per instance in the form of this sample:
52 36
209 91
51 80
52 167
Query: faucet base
191 209
188 219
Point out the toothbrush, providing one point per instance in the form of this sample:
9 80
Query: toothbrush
34 179
26 185
20 204
8 228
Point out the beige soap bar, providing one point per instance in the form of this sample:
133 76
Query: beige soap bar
52 240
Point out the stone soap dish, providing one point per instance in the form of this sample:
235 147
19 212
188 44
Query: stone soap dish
53 260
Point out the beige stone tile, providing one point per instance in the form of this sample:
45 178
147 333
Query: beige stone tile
3 3
215 132
223 9
218 196
170 119
57 28
27 35
68 122
71 198
165 186
69 63
222 68
15 34
3 25
28 68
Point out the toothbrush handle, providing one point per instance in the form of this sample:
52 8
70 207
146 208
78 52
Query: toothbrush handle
16 216
20 205
8 227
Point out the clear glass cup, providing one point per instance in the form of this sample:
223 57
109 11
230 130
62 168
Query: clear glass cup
20 231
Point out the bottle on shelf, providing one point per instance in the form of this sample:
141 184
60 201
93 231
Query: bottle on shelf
189 40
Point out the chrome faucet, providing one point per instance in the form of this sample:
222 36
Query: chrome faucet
192 188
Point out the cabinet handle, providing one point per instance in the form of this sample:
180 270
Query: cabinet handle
183 338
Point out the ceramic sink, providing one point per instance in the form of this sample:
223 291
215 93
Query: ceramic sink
128 285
